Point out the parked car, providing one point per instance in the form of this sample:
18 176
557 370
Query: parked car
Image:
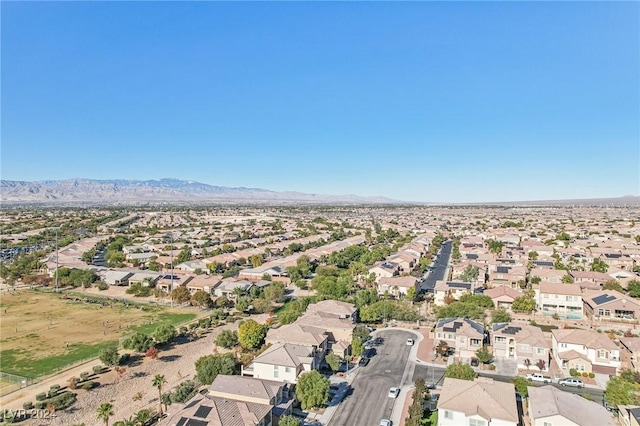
410 342
394 392
386 422
363 362
475 362
570 381
538 378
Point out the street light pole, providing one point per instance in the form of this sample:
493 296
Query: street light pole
171 289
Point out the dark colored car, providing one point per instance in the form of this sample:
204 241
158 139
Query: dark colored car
363 362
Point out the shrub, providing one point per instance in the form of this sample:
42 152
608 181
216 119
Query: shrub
62 401
492 366
88 385
193 326
585 374
102 286
183 330
27 405
41 396
84 376
573 372
592 375
54 389
73 382
109 355
124 359
204 323
97 369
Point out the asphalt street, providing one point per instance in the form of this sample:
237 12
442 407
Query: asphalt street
369 402
439 271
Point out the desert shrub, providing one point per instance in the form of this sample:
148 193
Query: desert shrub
88 385
193 326
41 396
102 285
183 330
573 372
204 323
73 382
592 375
84 376
53 389
62 401
27 405
585 374
97 369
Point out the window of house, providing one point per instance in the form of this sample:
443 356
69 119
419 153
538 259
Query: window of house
602 353
547 424
448 415
463 339
500 339
275 371
287 369
546 296
540 351
475 342
477 422
569 298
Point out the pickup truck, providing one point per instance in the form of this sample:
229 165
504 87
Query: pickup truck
538 378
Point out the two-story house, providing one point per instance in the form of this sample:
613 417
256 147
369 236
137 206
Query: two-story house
521 342
482 402
396 286
233 401
585 350
284 362
630 352
464 335
565 300
444 289
502 296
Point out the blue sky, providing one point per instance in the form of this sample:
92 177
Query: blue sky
423 101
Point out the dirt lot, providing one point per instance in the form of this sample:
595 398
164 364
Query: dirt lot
39 330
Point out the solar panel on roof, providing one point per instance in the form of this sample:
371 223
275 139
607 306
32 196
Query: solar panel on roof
182 421
603 298
194 422
511 330
502 269
202 411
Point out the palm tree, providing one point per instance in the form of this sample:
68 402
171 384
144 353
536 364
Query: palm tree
127 422
158 381
142 417
104 411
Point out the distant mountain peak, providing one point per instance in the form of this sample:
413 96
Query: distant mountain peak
164 190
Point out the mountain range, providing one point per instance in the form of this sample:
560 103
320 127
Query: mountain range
74 192
167 190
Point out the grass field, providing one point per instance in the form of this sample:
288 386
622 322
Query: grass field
40 332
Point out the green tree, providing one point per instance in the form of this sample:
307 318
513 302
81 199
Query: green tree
333 361
522 385
523 304
184 255
275 292
251 334
109 355
599 265
184 391
460 371
262 305
209 366
567 279
142 417
357 347
312 390
612 285
623 390
164 333
104 412
158 381
139 342
495 246
416 409
289 420
201 298
483 355
470 274
533 255
256 260
535 280
500 315
227 339
180 294
633 287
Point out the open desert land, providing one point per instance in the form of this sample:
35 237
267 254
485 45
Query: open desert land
43 332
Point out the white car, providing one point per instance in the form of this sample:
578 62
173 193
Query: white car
410 342
385 422
394 392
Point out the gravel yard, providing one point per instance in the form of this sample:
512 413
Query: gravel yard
179 365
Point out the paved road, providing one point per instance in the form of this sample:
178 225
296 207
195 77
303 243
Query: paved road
368 403
431 374
440 268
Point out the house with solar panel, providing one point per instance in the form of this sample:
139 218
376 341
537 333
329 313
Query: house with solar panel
453 289
464 335
520 342
611 305
585 351
233 401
